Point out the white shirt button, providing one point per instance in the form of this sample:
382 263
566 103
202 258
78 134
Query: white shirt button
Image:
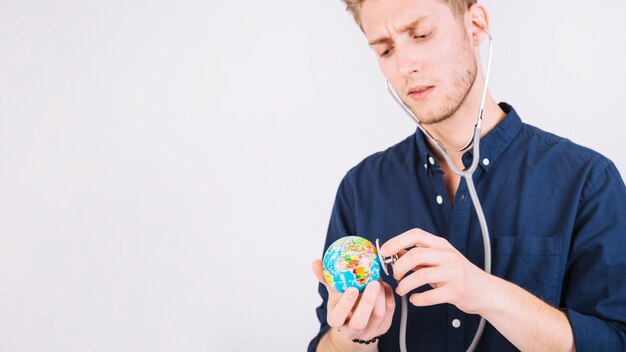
425 166
456 323
439 200
485 161
431 160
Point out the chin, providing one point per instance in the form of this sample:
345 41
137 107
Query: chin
428 114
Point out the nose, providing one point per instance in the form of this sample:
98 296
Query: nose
408 62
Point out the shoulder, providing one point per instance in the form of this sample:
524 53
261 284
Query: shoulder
560 151
386 163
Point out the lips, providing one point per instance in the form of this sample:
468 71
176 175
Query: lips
420 92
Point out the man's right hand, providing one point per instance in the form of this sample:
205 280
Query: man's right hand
354 316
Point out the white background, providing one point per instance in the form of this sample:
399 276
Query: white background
167 168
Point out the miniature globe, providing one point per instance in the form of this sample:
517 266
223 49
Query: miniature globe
351 261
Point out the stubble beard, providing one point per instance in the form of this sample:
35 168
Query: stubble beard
462 82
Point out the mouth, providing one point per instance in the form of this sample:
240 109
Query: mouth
420 92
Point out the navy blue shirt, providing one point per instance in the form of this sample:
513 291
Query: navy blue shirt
556 215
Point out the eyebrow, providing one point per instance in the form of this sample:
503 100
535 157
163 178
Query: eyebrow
403 29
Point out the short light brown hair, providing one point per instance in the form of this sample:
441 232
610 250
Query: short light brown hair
458 7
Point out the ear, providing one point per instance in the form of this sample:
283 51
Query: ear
476 22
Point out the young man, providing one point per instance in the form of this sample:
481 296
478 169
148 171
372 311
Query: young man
555 210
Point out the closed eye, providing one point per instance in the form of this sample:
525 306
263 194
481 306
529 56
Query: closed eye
423 36
386 52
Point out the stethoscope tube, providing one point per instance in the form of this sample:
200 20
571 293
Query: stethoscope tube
467 175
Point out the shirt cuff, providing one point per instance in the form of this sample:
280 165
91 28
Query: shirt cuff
594 334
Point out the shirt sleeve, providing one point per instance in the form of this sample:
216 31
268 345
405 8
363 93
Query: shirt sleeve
341 224
595 282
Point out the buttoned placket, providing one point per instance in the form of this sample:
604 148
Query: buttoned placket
458 218
433 169
458 232
458 223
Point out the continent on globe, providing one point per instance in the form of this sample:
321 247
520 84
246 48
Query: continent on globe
351 261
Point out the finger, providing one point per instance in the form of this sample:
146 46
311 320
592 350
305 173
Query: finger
390 306
338 314
318 270
366 304
431 297
378 313
413 237
402 252
420 278
419 257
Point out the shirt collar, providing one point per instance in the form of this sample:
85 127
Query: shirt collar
491 145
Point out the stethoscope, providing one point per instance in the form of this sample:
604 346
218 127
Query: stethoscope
467 175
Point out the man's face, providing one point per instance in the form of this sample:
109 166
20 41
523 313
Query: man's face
424 52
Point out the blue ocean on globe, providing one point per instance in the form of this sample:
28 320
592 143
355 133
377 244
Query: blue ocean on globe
351 261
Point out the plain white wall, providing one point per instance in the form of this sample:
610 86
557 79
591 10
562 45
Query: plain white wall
167 168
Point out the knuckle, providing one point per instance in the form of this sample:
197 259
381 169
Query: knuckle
378 314
391 305
441 241
420 276
415 253
368 300
415 232
370 295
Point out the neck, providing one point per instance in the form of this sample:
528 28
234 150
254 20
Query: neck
454 132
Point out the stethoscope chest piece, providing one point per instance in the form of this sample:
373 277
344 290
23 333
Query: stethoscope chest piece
385 262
